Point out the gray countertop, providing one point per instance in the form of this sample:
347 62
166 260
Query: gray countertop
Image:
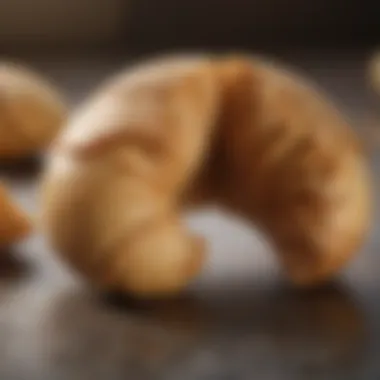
239 320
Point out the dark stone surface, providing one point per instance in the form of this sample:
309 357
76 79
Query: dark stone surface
238 321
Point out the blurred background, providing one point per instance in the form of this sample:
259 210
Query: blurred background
241 321
91 39
146 25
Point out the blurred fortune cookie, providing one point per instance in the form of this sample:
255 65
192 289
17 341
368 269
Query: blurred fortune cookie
31 112
14 222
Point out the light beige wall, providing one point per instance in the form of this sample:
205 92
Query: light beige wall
61 21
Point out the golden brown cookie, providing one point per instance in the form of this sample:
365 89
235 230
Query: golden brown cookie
179 132
14 222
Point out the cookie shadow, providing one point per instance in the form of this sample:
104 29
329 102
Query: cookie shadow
28 167
13 266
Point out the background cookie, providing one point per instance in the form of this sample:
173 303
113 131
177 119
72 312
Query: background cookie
31 112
